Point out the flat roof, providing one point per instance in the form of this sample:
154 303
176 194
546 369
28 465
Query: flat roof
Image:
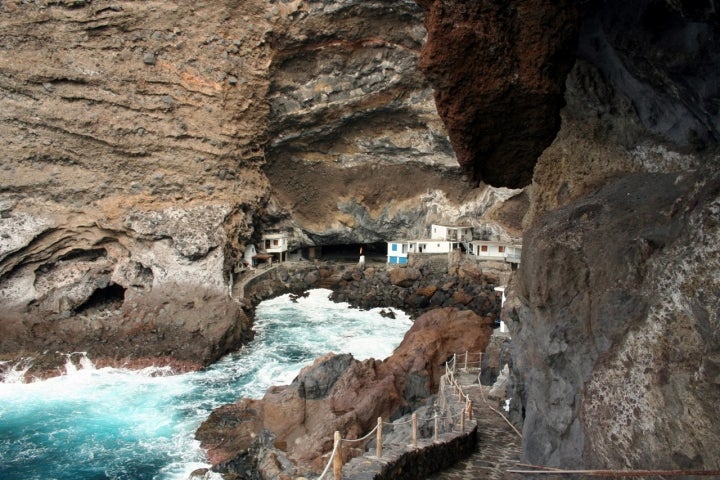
493 242
450 226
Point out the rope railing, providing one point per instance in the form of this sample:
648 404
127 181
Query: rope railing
450 413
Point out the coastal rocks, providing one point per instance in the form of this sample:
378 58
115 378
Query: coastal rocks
421 287
68 285
129 186
404 277
340 393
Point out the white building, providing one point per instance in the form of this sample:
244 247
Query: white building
276 245
501 251
443 239
249 257
451 233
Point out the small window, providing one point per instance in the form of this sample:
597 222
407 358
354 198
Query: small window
394 247
276 242
483 248
501 249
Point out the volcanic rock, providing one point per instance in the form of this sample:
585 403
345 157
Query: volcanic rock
610 311
498 70
340 393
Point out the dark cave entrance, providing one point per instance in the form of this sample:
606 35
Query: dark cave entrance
106 298
350 252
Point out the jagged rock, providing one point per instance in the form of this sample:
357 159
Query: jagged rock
404 276
357 393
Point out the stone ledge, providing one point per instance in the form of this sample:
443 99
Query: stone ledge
400 462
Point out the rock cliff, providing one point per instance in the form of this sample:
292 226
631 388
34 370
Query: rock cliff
145 144
613 313
291 429
126 177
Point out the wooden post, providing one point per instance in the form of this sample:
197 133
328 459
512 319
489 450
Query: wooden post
437 427
462 422
337 459
469 409
378 440
414 430
466 355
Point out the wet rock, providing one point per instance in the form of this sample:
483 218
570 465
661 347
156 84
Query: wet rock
349 394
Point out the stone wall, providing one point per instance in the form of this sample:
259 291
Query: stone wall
406 463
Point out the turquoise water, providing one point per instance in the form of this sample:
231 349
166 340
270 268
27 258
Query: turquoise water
114 423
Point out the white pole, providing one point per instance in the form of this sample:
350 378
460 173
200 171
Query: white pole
378 441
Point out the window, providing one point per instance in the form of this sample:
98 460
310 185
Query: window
483 248
501 249
393 247
276 242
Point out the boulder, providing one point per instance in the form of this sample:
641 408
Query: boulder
338 392
404 276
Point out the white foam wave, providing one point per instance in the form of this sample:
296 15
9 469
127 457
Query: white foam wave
118 418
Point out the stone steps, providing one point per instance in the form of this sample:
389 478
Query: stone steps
498 446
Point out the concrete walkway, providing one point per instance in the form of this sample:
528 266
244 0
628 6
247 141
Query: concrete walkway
238 288
498 445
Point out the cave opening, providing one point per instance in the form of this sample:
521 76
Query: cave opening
350 252
110 297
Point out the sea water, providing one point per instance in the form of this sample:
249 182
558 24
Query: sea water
113 423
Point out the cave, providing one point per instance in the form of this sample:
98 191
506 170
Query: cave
350 252
110 297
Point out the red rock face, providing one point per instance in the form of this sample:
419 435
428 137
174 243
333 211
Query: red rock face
340 393
498 69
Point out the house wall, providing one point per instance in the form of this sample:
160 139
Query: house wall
274 244
435 246
397 252
442 232
438 232
489 250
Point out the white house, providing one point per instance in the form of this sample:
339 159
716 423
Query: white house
443 239
487 250
248 257
451 233
398 250
276 245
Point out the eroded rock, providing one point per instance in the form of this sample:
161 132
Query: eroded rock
347 395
